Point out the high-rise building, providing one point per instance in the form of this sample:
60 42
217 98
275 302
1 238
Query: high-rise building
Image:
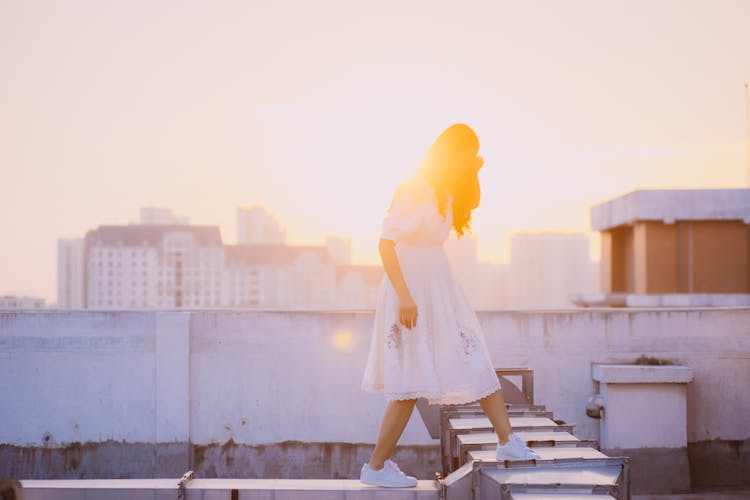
70 273
548 269
256 226
358 286
152 266
280 276
484 282
463 256
491 286
340 249
161 216
178 266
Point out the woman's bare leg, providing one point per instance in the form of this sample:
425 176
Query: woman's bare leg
494 407
395 418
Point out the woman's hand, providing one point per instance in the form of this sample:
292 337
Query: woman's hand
407 311
407 308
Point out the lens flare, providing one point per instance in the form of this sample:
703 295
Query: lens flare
342 341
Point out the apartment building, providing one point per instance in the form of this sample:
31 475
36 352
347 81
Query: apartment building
167 266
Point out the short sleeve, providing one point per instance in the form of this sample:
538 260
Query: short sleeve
406 213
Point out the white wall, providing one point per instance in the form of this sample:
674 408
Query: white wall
264 377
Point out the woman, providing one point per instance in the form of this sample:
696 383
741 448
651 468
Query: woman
427 342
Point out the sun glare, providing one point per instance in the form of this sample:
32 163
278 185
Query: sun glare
342 341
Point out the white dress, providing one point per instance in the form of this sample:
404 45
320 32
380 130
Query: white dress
444 357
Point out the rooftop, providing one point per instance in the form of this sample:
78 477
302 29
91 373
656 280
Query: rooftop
140 394
670 205
138 234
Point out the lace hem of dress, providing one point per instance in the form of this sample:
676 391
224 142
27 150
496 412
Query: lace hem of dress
437 398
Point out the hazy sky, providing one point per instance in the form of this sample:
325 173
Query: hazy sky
317 109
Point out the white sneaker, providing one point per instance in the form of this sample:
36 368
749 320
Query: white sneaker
390 476
515 449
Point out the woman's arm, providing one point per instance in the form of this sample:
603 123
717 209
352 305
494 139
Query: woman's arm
407 308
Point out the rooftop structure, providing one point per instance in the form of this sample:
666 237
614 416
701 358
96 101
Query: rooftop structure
256 226
161 215
21 302
657 244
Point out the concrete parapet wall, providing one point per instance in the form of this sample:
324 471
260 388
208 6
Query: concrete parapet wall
247 379
290 460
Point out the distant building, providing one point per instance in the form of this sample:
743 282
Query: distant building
340 249
161 216
70 273
358 286
18 302
463 255
178 266
256 226
674 247
490 290
152 266
484 283
547 269
279 276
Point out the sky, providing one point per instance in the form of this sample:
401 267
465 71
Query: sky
318 109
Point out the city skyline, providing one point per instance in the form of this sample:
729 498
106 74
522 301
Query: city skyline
162 261
317 111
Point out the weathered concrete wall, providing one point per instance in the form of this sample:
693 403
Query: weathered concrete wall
715 343
173 387
561 346
289 459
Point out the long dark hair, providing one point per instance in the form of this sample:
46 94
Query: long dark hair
451 166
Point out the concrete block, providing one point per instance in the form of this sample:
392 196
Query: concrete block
641 374
222 494
645 418
54 493
644 415
427 492
309 495
255 494
120 494
165 494
374 493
